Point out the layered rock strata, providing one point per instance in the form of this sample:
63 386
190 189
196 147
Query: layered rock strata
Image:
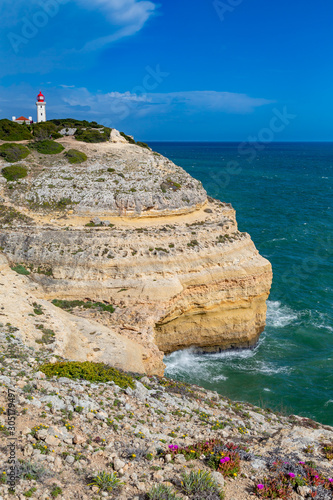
170 260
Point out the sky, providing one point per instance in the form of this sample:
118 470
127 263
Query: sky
173 70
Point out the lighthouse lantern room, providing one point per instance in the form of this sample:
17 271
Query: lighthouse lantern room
41 108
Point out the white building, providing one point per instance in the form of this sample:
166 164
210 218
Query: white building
22 119
41 108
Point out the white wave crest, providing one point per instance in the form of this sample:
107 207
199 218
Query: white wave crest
279 316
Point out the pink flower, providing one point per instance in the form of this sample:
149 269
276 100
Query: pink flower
260 486
317 477
330 480
291 474
225 459
302 463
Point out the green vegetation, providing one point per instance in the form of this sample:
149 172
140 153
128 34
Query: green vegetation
19 269
45 130
87 370
56 490
168 184
47 147
73 123
143 145
75 156
93 135
14 152
11 131
128 138
162 492
31 471
105 481
14 172
8 215
48 336
69 305
30 492
132 141
200 484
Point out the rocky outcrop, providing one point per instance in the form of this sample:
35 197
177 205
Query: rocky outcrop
170 260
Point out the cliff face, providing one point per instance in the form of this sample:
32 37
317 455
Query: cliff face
171 261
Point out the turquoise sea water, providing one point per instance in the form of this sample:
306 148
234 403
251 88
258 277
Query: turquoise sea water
283 198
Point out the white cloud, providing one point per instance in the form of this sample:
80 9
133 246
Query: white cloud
125 104
129 15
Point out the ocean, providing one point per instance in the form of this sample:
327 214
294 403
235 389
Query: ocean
282 193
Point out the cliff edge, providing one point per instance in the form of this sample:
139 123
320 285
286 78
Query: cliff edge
125 228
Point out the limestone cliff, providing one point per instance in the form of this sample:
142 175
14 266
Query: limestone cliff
170 260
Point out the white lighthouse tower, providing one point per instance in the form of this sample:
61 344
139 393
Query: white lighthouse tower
41 108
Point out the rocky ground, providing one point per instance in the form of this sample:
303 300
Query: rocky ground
69 431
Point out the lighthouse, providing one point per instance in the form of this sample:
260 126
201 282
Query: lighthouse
41 108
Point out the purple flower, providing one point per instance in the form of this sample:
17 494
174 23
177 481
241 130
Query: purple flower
330 480
260 486
302 463
225 459
291 474
317 477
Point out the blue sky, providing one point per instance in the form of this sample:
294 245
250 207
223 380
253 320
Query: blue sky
173 70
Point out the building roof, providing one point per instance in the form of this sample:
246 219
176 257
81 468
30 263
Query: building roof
22 119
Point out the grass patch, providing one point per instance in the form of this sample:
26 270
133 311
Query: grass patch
13 152
47 147
87 370
75 156
69 305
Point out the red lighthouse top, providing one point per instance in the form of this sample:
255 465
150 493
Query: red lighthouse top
40 97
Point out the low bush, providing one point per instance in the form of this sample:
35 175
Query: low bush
87 370
47 147
11 131
93 135
105 481
19 269
70 304
14 172
162 492
200 485
75 156
13 152
45 130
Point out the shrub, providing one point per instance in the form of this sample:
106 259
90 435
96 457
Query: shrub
105 481
47 147
31 471
200 485
143 145
8 215
56 490
11 131
45 130
70 304
14 172
19 269
87 370
162 492
74 156
128 138
13 152
328 450
93 135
